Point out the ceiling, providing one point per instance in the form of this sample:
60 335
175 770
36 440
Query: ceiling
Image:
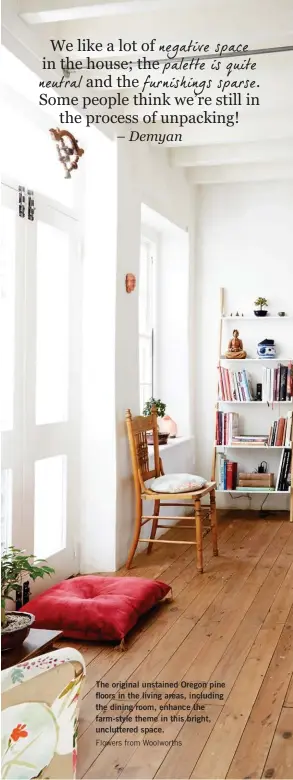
259 145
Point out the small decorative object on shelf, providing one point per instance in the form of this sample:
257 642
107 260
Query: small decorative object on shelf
68 153
258 392
281 314
235 347
130 283
261 310
167 425
266 349
160 408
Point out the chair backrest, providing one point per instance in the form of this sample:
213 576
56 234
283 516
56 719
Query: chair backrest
137 429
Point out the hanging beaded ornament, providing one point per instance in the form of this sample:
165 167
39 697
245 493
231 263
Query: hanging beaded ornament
68 151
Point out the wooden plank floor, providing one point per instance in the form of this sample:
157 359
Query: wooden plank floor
233 625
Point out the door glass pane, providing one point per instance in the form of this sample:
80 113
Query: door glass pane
145 392
50 506
7 267
52 324
6 508
145 359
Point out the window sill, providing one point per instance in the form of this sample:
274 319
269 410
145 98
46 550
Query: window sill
171 443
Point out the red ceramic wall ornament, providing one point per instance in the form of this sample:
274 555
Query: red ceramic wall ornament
130 283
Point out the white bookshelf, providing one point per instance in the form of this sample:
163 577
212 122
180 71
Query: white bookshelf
256 332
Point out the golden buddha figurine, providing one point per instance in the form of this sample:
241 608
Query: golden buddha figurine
235 348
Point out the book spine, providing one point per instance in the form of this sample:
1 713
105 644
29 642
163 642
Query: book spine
283 389
230 394
229 478
285 472
222 473
288 472
268 482
220 384
278 383
281 471
275 396
289 388
280 432
246 388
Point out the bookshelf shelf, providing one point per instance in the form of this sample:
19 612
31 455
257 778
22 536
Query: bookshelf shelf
251 447
237 383
247 492
256 360
266 403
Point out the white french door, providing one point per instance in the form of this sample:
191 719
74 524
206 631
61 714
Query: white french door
41 354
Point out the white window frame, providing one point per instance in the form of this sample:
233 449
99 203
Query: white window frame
150 245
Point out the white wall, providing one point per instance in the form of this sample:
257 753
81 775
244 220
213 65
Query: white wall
245 239
144 176
98 455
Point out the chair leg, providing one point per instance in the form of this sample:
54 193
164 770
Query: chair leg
137 527
214 527
198 528
154 524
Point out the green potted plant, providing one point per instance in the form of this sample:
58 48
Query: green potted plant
15 565
261 304
160 408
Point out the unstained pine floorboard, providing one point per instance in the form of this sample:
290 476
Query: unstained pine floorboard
232 624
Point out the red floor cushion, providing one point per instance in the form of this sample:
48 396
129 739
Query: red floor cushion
92 607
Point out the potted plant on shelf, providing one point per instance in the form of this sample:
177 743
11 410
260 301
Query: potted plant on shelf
261 310
161 408
15 564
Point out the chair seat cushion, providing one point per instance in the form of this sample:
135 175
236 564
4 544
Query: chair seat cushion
177 483
96 608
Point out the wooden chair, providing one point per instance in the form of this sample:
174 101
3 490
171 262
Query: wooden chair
137 428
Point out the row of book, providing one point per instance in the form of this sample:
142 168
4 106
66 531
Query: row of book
228 478
234 385
227 432
227 475
281 432
277 383
227 424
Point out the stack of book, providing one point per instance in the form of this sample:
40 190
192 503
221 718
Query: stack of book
249 441
277 383
281 432
284 475
226 427
227 478
256 481
234 385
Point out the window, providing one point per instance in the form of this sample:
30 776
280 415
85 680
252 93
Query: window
146 319
39 168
